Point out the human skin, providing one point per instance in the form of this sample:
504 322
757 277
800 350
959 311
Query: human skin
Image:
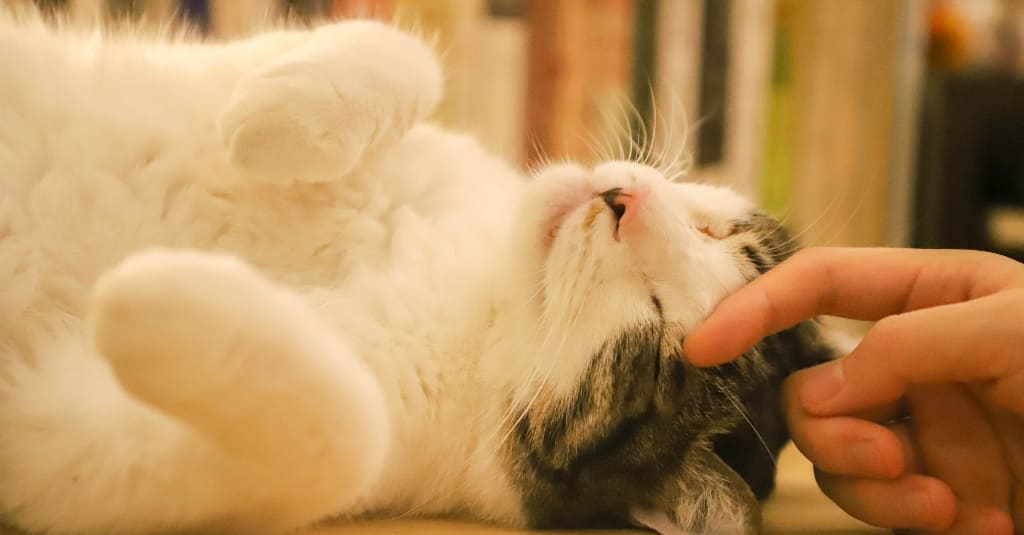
921 427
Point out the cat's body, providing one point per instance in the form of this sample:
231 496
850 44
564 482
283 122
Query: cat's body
351 312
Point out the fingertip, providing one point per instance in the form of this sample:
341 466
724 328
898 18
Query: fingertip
993 521
933 502
820 386
701 348
721 337
913 502
713 344
850 447
971 519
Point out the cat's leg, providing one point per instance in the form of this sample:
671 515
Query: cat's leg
254 417
312 113
247 363
708 497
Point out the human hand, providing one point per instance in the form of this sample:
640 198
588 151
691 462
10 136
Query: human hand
948 350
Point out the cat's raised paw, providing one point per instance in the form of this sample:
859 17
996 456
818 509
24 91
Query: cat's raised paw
283 131
312 115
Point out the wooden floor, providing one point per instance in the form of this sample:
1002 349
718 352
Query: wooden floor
798 508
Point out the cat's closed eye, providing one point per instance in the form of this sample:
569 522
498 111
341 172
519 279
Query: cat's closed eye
716 233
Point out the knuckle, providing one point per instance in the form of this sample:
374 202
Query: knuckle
1013 300
887 330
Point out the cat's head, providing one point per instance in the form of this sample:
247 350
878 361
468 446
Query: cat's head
613 266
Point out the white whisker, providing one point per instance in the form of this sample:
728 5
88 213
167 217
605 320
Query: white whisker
743 413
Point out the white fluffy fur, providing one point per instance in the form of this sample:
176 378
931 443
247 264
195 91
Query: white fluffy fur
244 287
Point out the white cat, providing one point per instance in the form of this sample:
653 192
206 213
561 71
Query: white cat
245 288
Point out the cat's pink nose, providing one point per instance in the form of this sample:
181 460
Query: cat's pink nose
626 203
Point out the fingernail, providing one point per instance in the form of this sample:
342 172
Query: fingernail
822 384
994 521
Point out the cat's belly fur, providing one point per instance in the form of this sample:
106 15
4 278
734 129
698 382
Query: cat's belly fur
344 244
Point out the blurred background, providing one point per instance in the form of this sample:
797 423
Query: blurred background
860 122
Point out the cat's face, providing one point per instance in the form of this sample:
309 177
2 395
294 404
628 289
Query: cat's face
608 248
617 264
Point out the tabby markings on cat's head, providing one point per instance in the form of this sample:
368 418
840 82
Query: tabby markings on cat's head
626 263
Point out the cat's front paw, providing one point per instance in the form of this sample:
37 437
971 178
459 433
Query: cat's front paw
287 129
311 115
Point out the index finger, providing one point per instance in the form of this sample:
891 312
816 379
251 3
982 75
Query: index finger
857 283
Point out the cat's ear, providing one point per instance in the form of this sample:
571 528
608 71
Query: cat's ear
841 340
706 497
659 521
